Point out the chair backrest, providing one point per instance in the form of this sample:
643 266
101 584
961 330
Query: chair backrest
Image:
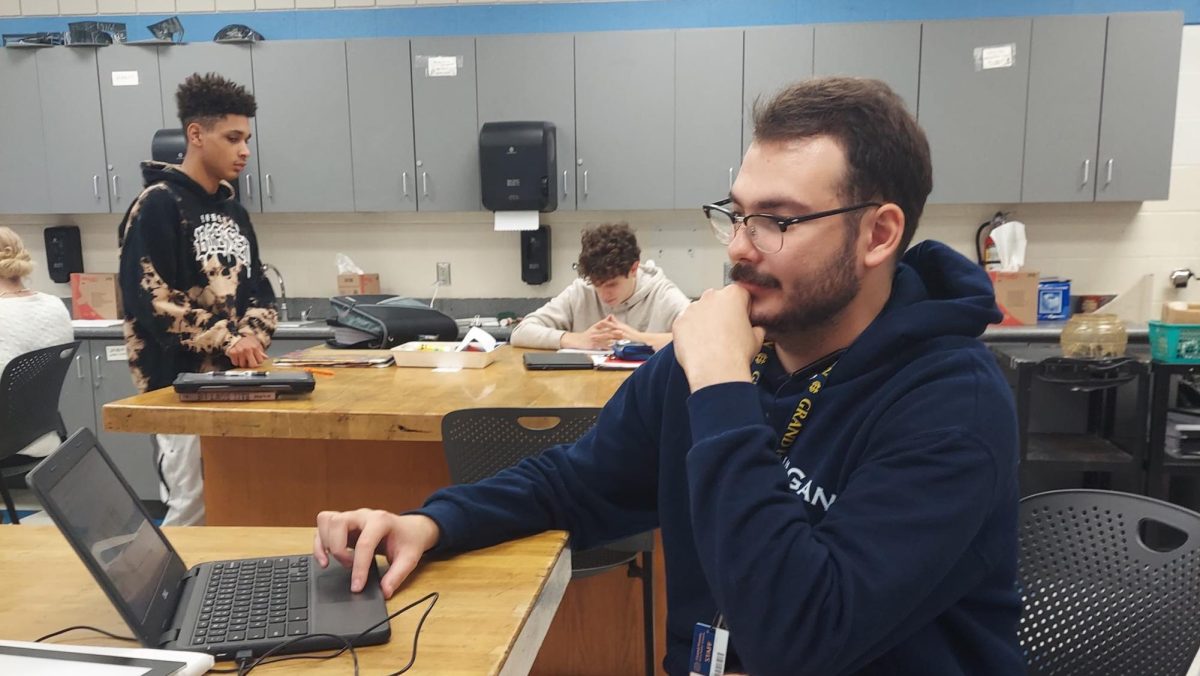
482 441
1098 599
29 391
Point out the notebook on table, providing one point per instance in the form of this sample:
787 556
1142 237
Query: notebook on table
223 608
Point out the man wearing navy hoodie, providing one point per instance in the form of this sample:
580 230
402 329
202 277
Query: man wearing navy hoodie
829 450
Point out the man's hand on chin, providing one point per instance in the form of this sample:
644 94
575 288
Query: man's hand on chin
714 341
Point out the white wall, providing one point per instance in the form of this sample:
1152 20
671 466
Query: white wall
1102 248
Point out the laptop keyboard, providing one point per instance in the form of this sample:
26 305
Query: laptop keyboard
255 599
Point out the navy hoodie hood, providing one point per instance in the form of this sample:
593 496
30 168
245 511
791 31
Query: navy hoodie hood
936 292
882 541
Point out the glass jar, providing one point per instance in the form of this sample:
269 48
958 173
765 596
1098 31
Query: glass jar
1094 336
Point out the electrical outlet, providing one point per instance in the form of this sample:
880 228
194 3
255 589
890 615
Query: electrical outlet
728 270
443 274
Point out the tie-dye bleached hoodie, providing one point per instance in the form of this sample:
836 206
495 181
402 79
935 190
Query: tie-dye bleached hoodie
191 279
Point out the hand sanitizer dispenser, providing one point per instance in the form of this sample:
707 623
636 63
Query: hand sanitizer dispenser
518 166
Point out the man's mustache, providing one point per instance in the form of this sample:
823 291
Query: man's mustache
742 272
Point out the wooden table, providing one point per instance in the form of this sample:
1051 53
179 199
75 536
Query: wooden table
364 437
494 608
372 438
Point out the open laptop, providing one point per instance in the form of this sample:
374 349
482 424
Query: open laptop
227 609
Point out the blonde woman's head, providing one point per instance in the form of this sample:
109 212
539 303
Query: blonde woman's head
15 261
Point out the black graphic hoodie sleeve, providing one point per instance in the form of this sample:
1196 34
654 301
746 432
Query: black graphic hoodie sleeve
191 279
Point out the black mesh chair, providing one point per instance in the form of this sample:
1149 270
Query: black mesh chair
480 442
29 391
1110 584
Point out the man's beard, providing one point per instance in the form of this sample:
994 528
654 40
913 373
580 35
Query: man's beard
821 296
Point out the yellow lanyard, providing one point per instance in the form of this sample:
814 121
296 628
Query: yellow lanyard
803 408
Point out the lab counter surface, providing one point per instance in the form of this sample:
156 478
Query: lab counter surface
372 438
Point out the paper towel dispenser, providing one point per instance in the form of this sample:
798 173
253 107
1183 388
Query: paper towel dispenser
518 166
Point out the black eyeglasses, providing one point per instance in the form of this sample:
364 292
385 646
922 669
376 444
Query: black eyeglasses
765 230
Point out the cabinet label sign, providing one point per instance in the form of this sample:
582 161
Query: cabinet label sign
115 353
996 56
441 66
125 78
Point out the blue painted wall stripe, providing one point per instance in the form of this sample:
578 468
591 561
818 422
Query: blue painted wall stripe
598 16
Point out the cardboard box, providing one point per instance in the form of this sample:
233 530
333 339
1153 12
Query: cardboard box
351 284
440 354
1016 296
95 295
1179 312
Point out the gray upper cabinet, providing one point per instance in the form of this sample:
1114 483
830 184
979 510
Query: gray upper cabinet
708 114
23 188
625 117
73 131
1066 71
177 62
974 81
381 125
532 77
775 57
445 124
130 98
1137 118
303 125
885 51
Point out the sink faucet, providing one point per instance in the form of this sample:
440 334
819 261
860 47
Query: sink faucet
283 311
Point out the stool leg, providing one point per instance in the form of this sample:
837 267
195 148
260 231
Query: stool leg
8 504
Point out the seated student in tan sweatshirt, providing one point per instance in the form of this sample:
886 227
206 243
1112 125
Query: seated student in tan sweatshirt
616 296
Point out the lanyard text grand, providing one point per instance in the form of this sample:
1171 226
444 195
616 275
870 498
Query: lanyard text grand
803 408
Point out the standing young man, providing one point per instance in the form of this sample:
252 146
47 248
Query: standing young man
616 296
843 496
194 292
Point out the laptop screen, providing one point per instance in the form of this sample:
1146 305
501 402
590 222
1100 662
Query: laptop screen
109 526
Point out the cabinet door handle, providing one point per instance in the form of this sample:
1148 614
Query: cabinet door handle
79 366
731 178
98 373
424 184
585 183
250 187
96 185
404 182
1087 171
116 181
565 193
1108 172
270 193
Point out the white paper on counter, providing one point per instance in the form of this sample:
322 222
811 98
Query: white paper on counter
516 220
478 336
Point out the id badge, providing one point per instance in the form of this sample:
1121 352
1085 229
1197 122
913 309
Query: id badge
709 645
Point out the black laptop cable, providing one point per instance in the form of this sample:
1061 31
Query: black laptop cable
245 665
88 628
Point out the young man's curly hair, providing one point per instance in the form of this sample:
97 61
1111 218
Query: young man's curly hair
207 98
608 252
